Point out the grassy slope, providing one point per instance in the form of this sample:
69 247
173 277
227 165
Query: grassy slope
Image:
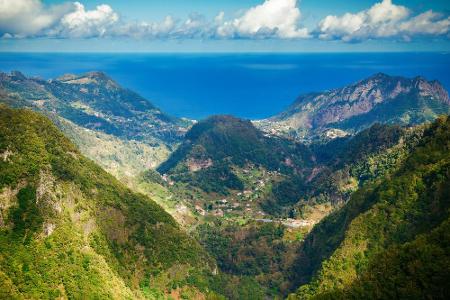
374 236
68 228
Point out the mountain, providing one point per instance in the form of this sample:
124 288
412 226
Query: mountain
95 101
216 145
116 126
391 240
336 217
68 229
378 99
342 166
224 156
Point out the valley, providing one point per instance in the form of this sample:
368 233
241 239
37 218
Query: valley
221 208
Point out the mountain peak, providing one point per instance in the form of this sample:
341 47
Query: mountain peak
95 101
380 75
378 98
93 77
97 75
226 119
17 75
67 77
221 124
419 78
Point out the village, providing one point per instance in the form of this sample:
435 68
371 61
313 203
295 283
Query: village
241 205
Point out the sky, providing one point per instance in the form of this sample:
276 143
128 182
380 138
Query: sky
224 25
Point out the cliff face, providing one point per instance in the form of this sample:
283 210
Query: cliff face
379 98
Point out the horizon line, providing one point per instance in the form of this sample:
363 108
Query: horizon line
224 52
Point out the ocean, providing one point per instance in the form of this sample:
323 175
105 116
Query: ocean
251 86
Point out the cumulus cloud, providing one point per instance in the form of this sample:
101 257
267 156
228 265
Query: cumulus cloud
427 23
145 29
196 26
30 18
383 20
276 19
273 18
22 18
82 23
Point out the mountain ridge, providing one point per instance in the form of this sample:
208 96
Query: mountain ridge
120 127
221 142
393 99
381 224
96 101
70 229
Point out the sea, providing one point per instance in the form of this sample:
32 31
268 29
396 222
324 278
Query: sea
251 86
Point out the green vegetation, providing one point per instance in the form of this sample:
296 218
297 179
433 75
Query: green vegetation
383 231
255 253
69 229
216 145
125 159
295 173
215 179
344 151
342 166
118 129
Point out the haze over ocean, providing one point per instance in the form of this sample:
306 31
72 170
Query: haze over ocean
246 85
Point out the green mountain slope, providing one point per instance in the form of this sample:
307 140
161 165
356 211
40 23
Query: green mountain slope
95 101
262 250
123 158
214 146
112 125
69 229
380 244
343 165
223 156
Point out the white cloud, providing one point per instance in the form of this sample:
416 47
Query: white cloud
146 29
85 24
21 18
345 26
278 19
273 18
382 20
385 11
196 26
427 23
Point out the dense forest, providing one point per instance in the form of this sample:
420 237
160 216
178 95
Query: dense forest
390 240
69 229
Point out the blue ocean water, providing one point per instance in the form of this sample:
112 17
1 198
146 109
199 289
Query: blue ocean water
246 85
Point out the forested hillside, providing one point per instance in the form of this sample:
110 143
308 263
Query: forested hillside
221 142
69 229
117 128
355 212
391 239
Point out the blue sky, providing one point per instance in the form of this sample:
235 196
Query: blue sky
224 25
